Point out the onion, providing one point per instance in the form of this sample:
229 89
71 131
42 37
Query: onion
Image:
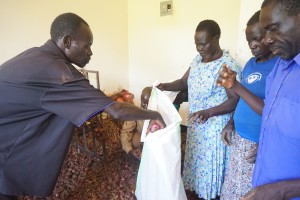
154 127
128 97
120 99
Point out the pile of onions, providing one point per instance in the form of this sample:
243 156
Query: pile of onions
126 97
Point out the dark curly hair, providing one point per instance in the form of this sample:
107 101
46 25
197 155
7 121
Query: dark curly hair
210 26
291 7
254 19
65 24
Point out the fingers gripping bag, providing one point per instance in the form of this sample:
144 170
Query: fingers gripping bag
159 175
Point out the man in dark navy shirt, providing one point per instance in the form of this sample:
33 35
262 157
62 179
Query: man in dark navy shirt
42 97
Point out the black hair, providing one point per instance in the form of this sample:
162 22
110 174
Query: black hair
65 24
210 26
254 19
291 7
146 91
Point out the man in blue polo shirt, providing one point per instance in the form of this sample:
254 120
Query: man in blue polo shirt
277 170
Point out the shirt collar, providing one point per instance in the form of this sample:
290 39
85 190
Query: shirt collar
287 63
55 49
297 58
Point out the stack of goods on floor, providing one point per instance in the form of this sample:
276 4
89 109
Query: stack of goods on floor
101 170
103 173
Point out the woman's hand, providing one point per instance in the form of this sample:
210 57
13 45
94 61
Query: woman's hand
251 158
200 116
160 86
227 77
227 132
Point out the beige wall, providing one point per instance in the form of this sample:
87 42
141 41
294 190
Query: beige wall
25 24
247 9
133 45
161 48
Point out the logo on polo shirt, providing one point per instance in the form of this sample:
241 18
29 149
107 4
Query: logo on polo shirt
252 78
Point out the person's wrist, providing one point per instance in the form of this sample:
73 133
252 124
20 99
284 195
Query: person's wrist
156 114
210 112
234 85
288 189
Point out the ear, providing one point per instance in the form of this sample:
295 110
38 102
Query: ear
216 38
67 41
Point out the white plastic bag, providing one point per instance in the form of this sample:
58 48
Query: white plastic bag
159 176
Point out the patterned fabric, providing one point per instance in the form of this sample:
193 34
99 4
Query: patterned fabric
239 174
206 155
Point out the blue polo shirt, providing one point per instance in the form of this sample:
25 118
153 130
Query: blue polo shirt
247 122
279 145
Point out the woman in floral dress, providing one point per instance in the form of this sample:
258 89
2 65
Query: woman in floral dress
210 108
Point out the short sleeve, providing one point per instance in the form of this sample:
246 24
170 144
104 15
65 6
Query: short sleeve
195 60
76 102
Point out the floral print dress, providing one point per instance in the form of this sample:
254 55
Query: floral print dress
206 155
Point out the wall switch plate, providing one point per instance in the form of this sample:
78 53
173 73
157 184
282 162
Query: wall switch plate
166 8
